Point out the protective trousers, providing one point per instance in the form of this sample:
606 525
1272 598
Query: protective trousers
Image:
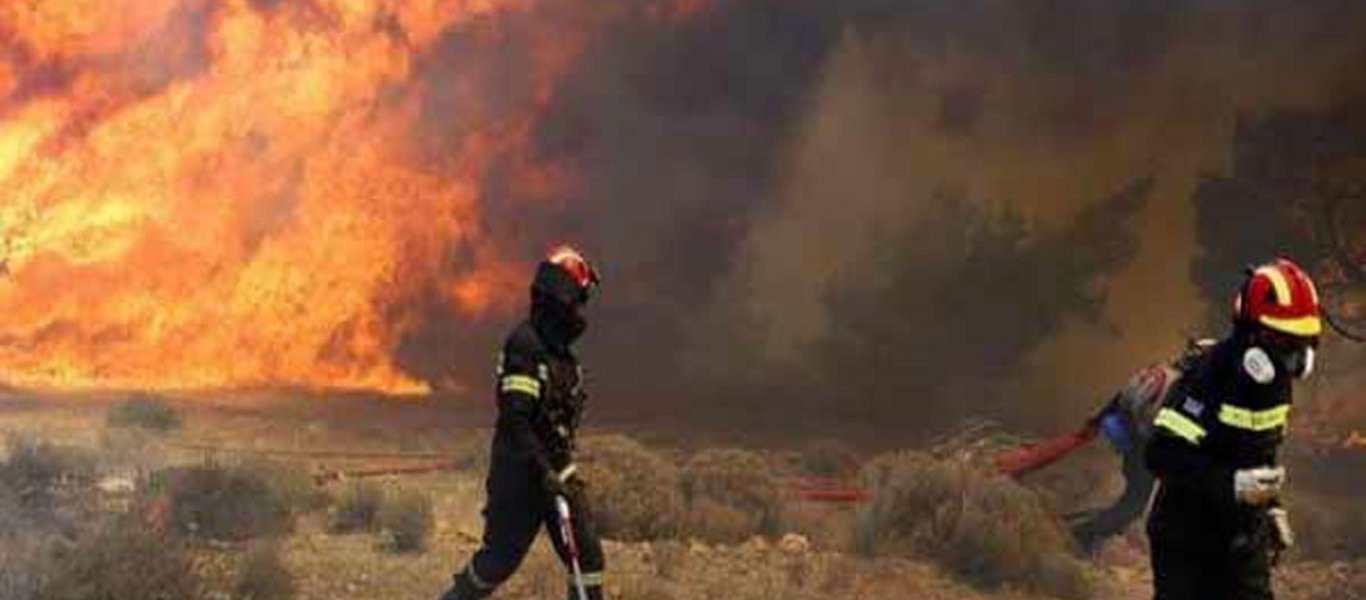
1186 572
518 507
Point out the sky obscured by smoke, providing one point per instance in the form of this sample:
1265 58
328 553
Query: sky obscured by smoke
789 199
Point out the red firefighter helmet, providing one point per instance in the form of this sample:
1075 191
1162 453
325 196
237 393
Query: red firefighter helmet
1281 297
573 263
566 277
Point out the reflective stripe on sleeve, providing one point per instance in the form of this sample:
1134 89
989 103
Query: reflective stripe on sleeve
1174 421
592 579
524 384
1254 420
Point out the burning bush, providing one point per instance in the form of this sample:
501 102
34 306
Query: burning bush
985 528
152 413
355 509
236 501
264 575
634 492
405 521
730 495
123 559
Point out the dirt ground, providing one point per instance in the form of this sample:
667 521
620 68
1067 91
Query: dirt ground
353 566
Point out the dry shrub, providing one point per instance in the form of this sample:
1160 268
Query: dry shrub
633 491
142 411
829 458
237 502
130 450
355 508
827 526
730 495
123 559
985 528
264 575
405 521
37 467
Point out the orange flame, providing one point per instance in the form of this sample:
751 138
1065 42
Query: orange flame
226 194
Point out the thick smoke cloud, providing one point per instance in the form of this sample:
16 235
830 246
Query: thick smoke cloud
765 184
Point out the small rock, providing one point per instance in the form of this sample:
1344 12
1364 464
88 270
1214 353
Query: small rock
793 543
757 544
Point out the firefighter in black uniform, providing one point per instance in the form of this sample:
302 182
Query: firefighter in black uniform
540 402
1217 525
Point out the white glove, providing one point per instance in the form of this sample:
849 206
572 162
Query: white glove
1259 486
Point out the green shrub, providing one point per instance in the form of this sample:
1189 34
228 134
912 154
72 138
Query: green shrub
634 493
152 413
985 528
405 521
730 495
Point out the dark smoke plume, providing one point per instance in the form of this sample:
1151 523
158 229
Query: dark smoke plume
740 173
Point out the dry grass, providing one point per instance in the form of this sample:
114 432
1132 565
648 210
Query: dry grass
264 575
985 528
405 520
355 508
634 492
730 495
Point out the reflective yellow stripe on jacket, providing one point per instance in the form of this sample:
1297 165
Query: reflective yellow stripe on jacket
524 384
1254 420
1177 423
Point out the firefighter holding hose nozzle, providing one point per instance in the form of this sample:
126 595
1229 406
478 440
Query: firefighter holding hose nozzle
1217 525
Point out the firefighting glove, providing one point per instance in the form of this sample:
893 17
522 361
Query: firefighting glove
1258 486
564 482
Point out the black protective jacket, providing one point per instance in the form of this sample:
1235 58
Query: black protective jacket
1229 411
540 402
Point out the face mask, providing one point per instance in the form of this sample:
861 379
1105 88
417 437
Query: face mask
1302 363
1298 363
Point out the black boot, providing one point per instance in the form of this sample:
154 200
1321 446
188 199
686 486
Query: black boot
465 589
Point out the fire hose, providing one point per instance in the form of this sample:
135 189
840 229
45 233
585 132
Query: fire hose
571 544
